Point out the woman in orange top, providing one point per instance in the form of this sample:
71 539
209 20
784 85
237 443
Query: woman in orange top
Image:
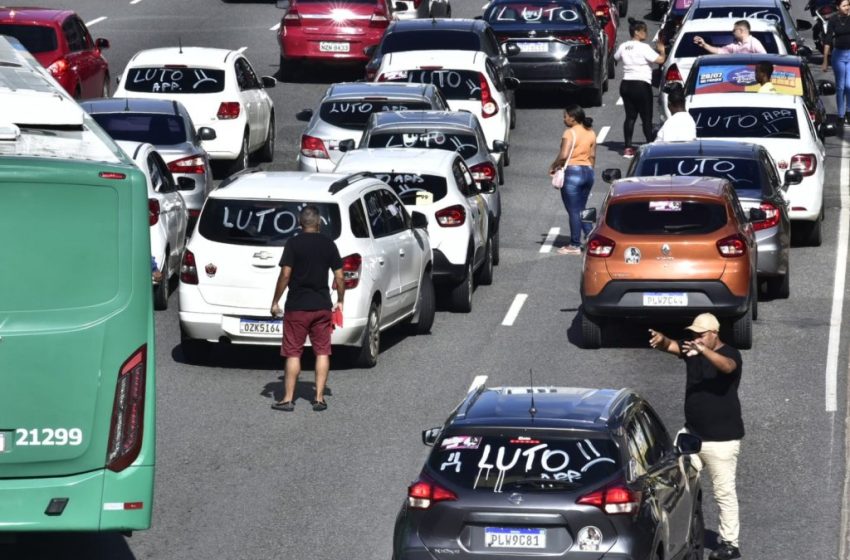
577 156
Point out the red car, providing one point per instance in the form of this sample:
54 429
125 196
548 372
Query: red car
60 41
330 30
608 14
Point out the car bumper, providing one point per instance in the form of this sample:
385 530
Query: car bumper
621 298
444 271
299 46
195 198
229 134
316 165
568 73
772 254
805 200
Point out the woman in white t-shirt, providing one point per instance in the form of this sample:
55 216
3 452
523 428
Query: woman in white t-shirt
636 87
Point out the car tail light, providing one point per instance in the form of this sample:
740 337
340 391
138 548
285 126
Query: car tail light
673 74
488 104
153 211
772 217
807 163
59 67
128 413
423 493
188 268
600 246
191 164
379 19
351 270
228 110
793 47
453 216
193 214
575 38
732 246
484 172
613 500
111 175
292 18
416 3
313 147
603 12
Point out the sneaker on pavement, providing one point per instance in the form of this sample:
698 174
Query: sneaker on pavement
725 551
629 153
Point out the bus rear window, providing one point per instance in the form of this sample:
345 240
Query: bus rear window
355 114
665 217
175 80
160 130
521 463
465 144
745 122
688 49
261 222
35 38
455 84
414 188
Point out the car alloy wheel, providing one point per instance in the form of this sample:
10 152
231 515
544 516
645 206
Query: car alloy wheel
371 342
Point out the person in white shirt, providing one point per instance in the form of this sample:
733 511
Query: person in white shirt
680 127
744 42
636 87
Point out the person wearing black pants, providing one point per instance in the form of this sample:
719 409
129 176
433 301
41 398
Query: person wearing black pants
636 88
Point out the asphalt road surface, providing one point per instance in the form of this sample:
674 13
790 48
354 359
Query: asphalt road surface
237 480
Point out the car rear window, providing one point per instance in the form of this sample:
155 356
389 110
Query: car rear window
261 222
734 78
455 84
535 13
424 40
745 122
175 80
665 217
771 14
688 49
35 38
465 144
744 174
416 189
505 463
355 114
160 130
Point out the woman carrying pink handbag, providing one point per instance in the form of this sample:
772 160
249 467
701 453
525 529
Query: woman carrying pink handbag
572 172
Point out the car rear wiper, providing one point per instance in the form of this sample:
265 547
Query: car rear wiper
682 227
544 482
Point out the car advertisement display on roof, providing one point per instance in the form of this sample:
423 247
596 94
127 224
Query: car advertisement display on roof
742 78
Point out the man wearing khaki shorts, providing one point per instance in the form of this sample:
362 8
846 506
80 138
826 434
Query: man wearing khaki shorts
304 266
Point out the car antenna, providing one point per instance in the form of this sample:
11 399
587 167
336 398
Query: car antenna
532 411
179 44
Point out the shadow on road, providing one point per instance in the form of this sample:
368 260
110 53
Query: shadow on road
44 546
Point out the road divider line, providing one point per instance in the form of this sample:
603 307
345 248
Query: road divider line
834 345
241 50
619 101
513 310
550 239
275 27
95 20
135 1
477 382
603 134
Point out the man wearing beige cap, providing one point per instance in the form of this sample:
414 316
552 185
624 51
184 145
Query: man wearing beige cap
713 412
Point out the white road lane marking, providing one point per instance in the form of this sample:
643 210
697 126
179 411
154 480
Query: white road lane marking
838 290
513 310
477 382
550 239
275 27
603 134
619 101
135 1
95 20
240 50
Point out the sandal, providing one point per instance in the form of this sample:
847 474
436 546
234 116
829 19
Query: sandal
287 406
569 250
319 406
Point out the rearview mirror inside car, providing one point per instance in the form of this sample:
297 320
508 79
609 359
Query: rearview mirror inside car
268 82
511 49
499 146
793 177
346 145
826 87
610 175
803 25
206 133
757 215
418 220
588 215
688 444
304 115
511 83
186 183
429 437
283 4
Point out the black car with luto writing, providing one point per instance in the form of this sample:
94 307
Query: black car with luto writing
558 472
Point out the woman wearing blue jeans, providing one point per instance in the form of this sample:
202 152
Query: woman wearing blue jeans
577 157
837 41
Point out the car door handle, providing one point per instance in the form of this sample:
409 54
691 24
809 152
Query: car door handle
381 261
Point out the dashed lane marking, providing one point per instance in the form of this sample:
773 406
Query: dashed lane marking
241 50
603 134
550 239
619 101
135 1
95 20
275 27
514 309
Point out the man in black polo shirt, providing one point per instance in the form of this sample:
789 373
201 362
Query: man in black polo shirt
713 412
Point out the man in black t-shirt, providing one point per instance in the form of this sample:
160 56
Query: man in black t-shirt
713 412
304 266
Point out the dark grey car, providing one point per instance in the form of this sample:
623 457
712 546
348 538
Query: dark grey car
553 472
167 125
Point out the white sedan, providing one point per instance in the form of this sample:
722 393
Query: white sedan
220 90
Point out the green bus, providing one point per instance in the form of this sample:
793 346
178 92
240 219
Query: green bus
77 378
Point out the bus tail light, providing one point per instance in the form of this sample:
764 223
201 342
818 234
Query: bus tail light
128 412
153 211
188 268
488 105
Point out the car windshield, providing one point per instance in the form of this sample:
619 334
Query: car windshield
744 174
688 49
731 78
455 84
745 122
465 144
503 463
354 114
261 222
159 130
772 14
424 40
535 13
171 80
415 189
35 38
663 217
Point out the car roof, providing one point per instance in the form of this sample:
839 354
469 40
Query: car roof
555 407
744 99
452 59
419 118
287 185
131 105
668 185
191 56
405 160
442 24
705 148
737 3
725 24
367 89
33 15
740 59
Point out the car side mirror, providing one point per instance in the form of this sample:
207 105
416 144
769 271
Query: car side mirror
486 187
346 145
792 177
304 115
283 4
688 444
206 133
512 83
804 51
401 6
186 183
826 87
370 50
101 43
510 49
803 25
499 147
588 215
610 175
827 129
418 220
429 437
757 215
268 82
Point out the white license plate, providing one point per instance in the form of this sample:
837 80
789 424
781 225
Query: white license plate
674 299
498 537
330 46
252 326
533 47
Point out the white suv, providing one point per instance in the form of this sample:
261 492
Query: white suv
230 266
219 89
439 184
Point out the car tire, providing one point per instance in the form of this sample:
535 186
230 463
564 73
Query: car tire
104 91
495 241
160 292
513 110
779 287
696 538
461 294
506 159
623 6
194 351
594 96
288 70
370 344
242 161
754 298
426 305
484 276
742 331
501 172
591 331
267 150
612 68
814 233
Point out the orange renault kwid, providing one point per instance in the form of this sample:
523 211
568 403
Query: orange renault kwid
669 248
